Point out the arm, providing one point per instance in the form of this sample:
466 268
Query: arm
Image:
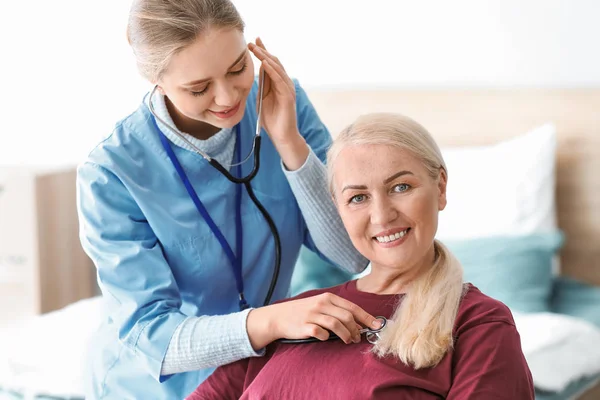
302 141
310 187
226 383
139 287
488 363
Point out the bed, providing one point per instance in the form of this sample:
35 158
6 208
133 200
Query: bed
478 118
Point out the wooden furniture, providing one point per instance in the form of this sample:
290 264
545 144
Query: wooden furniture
42 265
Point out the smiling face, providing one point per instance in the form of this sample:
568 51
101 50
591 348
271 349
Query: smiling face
389 204
207 82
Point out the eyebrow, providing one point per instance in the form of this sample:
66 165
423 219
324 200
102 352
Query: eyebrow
386 181
196 82
397 175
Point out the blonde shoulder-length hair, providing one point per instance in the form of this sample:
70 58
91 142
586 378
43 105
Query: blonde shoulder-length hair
420 331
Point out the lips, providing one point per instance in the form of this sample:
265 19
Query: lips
391 232
226 113
392 237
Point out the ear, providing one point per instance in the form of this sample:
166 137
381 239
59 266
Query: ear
442 182
160 89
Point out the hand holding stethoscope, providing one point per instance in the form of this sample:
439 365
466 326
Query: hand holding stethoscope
316 318
320 317
279 108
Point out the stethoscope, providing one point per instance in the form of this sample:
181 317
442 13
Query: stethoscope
372 335
235 260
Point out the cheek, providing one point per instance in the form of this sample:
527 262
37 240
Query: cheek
356 224
192 106
243 83
425 212
247 77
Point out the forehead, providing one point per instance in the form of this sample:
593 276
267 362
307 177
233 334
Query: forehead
208 56
360 164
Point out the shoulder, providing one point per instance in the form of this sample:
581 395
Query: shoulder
310 124
476 308
130 144
302 99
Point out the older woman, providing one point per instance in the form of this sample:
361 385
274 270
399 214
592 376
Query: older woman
444 338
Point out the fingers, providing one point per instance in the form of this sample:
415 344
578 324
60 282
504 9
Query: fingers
285 79
316 331
341 322
320 315
262 47
358 313
260 43
263 55
258 52
279 83
338 315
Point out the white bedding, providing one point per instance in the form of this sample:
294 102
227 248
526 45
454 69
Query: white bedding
559 349
45 355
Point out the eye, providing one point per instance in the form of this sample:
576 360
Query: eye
359 198
239 71
199 92
403 187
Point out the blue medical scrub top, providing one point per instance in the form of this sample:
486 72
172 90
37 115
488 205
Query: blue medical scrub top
157 260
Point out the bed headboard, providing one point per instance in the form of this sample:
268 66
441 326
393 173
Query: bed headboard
475 117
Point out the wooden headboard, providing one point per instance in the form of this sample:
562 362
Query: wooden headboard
476 117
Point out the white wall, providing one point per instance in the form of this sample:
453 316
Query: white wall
68 74
434 43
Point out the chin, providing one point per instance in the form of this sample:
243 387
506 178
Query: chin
224 125
393 262
228 123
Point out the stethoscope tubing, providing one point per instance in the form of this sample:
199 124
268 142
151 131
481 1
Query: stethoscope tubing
256 145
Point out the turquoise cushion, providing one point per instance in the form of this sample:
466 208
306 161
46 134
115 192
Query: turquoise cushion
577 299
516 270
312 272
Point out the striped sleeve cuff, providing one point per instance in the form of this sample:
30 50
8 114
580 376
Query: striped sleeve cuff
206 342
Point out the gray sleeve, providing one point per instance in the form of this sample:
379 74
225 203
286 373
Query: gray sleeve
208 341
309 185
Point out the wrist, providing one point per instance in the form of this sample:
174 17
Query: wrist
260 327
293 151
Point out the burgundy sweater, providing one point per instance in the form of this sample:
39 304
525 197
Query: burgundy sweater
486 363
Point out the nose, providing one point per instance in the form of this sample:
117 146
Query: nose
225 95
383 211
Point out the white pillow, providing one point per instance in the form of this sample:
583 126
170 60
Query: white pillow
504 189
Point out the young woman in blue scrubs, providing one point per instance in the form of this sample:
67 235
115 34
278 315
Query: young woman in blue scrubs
172 291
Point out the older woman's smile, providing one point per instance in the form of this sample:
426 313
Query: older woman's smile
392 237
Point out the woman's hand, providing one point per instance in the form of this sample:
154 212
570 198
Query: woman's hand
279 108
309 317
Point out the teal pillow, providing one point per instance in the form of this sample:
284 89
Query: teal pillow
516 270
576 299
312 272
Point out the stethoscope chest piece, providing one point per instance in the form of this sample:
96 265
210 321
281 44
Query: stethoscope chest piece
372 335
